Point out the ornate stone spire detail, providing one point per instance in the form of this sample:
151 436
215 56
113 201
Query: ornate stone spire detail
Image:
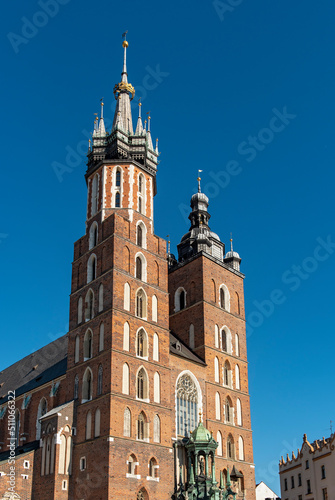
102 130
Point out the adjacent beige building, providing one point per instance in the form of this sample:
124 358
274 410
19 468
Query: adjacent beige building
310 474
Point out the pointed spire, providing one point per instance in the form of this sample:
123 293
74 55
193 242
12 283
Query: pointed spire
122 92
95 128
149 140
231 242
156 149
139 126
102 130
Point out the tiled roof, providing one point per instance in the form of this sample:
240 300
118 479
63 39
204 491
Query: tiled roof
38 368
55 410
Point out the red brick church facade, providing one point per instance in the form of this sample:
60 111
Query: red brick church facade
155 343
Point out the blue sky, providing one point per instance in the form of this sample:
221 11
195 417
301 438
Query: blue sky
244 93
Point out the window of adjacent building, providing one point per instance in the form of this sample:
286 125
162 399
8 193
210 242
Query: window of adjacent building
300 497
88 345
309 486
292 481
187 405
127 423
285 484
142 384
323 472
324 494
157 429
299 479
307 464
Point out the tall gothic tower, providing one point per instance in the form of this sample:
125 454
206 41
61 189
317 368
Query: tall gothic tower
150 401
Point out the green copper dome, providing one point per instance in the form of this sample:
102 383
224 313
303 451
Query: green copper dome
201 434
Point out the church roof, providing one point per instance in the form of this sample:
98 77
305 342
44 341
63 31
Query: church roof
178 347
36 369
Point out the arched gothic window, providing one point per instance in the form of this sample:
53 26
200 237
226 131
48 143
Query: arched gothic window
142 427
227 374
238 303
153 468
223 340
157 388
125 379
76 387
95 194
89 305
229 411
142 344
142 384
139 235
91 268
240 448
217 406
80 310
118 178
187 405
132 464
155 349
216 370
101 337
154 308
239 411
101 298
138 268
97 420
222 298
237 377
230 447
157 429
141 304
100 373
89 425
117 199
126 336
180 299
42 409
93 238
219 441
142 495
87 385
88 345
126 300
127 423
237 345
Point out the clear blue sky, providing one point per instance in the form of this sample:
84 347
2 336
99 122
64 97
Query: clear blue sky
223 80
